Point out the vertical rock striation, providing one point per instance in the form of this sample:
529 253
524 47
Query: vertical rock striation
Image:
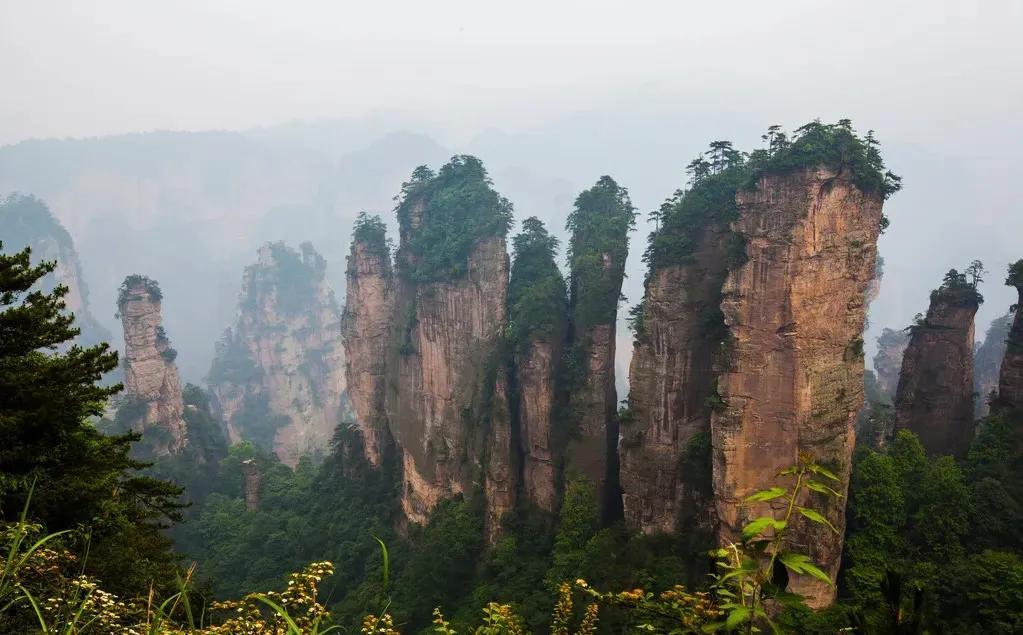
446 399
366 330
600 224
793 381
672 376
1010 379
278 374
987 364
537 305
935 395
152 388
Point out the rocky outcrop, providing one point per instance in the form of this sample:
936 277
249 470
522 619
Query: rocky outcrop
278 375
793 376
600 225
537 370
1010 379
935 395
672 376
443 365
446 401
366 330
152 402
891 346
987 364
28 222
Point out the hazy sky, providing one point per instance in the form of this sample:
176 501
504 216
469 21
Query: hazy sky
941 82
99 67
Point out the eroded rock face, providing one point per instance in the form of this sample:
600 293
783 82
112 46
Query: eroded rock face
536 370
151 383
1010 379
935 395
891 346
794 377
672 376
28 222
987 364
366 329
278 375
443 379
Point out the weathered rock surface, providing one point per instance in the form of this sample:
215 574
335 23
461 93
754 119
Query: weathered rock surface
278 376
28 222
537 371
891 346
794 378
366 330
987 364
935 395
594 406
672 376
443 379
152 389
1010 380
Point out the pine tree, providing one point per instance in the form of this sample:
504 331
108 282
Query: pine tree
80 479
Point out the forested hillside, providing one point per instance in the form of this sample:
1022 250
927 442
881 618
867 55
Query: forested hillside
450 451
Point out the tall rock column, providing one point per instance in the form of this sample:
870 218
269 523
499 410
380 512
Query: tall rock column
151 383
600 225
793 381
446 401
537 306
366 330
987 364
1010 379
278 374
935 395
663 472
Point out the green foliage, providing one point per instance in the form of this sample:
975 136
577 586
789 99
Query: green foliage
82 478
443 216
537 299
232 362
372 232
600 224
1015 279
151 287
292 278
747 583
836 146
27 220
960 288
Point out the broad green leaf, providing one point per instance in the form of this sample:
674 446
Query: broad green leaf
737 616
817 573
767 495
756 527
816 517
816 469
822 488
712 628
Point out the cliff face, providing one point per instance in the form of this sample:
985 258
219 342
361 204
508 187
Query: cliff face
446 400
152 388
537 369
28 222
671 376
987 364
443 368
278 374
795 313
600 225
366 330
891 346
935 395
1010 379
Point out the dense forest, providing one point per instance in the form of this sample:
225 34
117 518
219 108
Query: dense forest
482 474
